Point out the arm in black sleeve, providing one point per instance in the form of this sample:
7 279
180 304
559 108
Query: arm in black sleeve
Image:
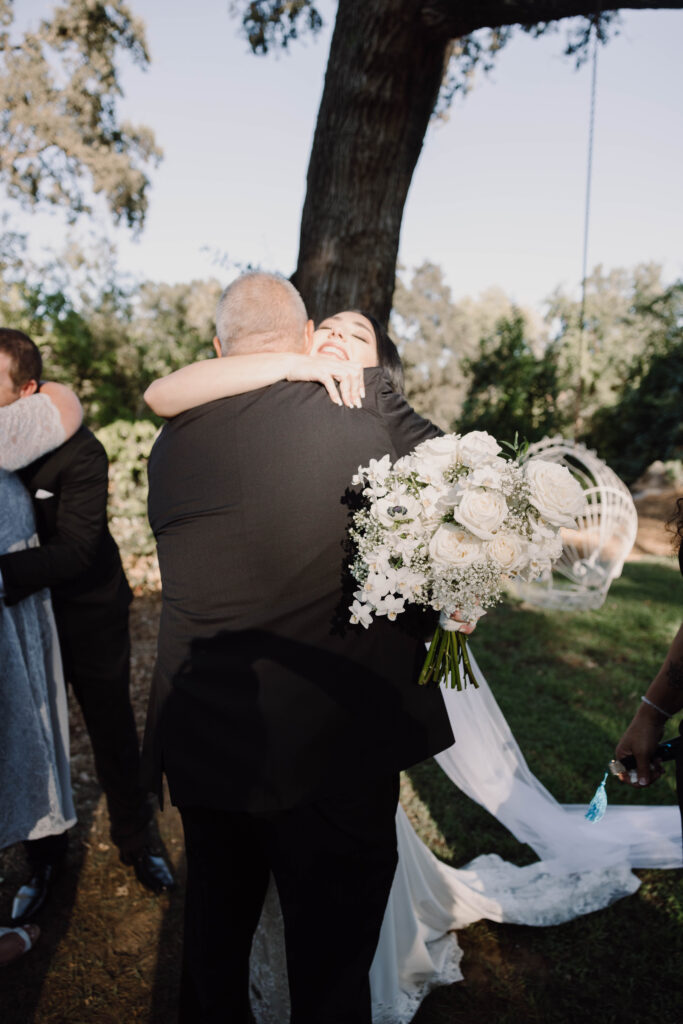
406 427
81 519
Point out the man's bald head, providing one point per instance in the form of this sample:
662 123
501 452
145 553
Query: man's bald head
261 313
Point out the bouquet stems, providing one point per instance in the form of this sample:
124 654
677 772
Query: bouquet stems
447 653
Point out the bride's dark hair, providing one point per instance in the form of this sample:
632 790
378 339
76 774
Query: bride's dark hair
387 353
676 524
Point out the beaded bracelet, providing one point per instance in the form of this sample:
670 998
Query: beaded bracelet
656 707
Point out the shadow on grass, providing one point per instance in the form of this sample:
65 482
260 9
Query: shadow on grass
605 967
166 983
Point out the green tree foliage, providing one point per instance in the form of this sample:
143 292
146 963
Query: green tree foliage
437 336
105 336
60 136
512 390
624 313
646 421
273 23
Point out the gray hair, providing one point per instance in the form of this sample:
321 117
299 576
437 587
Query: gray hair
261 312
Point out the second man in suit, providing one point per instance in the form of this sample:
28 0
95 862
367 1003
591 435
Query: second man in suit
79 561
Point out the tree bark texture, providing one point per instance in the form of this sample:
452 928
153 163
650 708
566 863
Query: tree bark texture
385 67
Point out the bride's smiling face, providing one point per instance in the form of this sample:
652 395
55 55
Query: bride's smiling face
346 336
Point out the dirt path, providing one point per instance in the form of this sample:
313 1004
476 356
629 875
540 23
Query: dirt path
109 951
654 509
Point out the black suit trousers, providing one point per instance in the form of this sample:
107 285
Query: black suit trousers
95 647
333 863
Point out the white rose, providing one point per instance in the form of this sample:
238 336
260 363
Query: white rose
507 551
554 492
444 448
397 509
481 511
454 547
477 446
434 456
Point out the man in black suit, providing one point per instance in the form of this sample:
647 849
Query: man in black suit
79 561
280 727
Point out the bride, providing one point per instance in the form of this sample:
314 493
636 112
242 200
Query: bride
581 868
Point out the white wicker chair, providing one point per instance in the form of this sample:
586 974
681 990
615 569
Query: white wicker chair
594 554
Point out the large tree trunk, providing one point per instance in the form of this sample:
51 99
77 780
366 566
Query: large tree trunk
383 75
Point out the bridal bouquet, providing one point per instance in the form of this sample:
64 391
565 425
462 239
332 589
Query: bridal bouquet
445 526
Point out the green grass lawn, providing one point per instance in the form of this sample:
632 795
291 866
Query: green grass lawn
568 685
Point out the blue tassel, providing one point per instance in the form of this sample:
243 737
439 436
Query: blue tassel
598 805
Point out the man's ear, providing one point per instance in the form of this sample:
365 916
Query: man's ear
217 347
29 388
309 331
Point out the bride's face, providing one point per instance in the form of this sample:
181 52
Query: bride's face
346 336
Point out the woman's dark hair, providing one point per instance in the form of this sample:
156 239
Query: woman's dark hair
25 360
387 353
676 524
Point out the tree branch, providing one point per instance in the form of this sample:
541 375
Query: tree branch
451 19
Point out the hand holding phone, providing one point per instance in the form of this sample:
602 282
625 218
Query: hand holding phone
664 752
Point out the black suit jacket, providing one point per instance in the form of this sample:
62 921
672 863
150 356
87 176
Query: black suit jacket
78 558
263 693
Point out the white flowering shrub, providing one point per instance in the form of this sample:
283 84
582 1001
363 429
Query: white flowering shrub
128 445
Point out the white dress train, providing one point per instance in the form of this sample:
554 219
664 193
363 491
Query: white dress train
583 867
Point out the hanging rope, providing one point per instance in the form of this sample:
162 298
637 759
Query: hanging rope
586 221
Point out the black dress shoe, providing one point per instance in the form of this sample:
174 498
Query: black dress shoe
152 872
30 897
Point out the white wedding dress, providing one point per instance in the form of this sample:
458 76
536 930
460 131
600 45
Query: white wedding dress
583 867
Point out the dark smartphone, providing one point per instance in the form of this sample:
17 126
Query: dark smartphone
664 752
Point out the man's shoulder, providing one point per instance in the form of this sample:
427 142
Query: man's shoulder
80 451
82 447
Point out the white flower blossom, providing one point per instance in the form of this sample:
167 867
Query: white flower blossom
397 508
452 546
390 606
481 511
490 475
360 613
507 550
477 447
554 492
375 587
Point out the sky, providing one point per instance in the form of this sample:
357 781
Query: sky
498 197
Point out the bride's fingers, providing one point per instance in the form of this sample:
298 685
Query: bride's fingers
349 385
330 386
344 389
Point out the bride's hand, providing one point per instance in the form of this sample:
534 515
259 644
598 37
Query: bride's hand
338 377
468 625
